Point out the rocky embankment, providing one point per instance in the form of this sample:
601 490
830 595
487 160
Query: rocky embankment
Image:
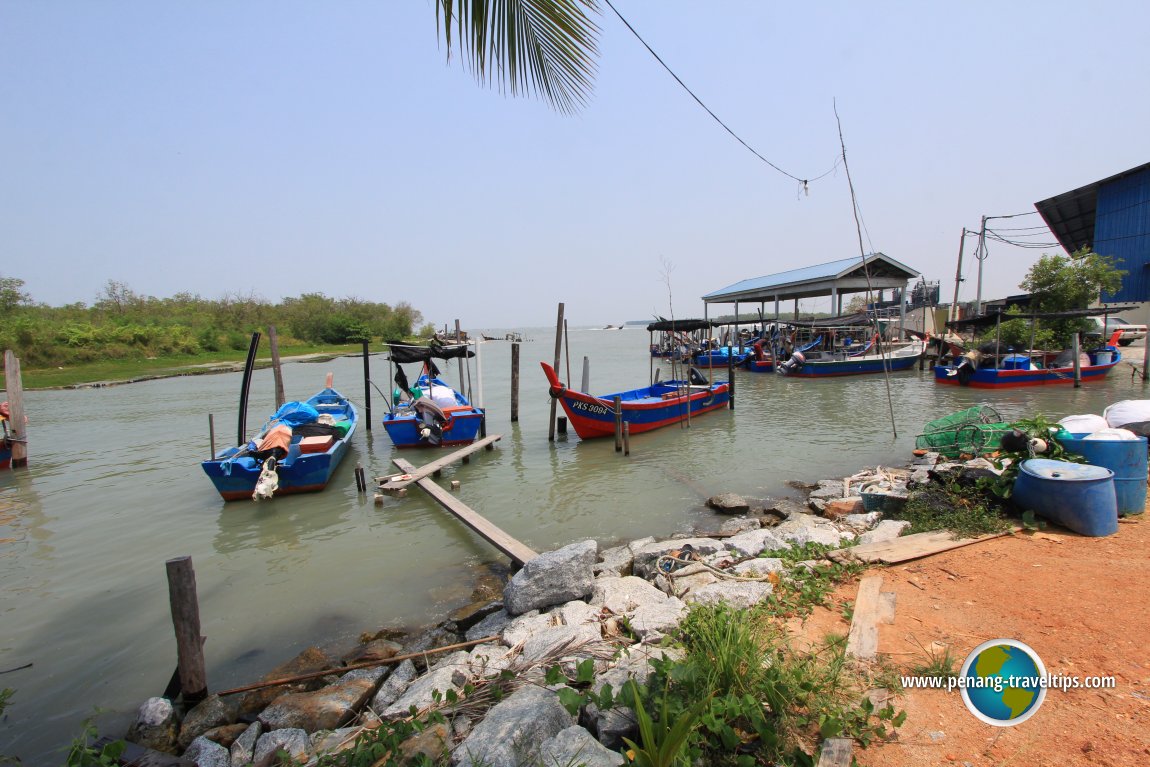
612 606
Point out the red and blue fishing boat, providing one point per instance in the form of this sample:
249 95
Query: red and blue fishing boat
762 360
5 438
720 357
431 413
652 407
994 370
296 451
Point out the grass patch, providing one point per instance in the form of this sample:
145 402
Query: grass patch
965 511
171 365
809 579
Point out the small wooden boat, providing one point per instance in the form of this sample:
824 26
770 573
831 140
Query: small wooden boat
866 360
296 451
761 360
432 413
661 404
720 358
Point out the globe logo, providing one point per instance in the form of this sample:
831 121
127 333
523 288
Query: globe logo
1001 682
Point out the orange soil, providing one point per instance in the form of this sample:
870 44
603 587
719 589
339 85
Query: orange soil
1081 603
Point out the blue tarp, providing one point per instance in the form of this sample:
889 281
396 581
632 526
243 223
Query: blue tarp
296 414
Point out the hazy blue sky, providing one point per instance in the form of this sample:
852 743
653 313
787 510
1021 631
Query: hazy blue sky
284 147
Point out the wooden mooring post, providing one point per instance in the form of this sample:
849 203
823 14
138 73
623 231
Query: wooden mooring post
619 424
212 434
277 367
17 422
515 382
558 357
367 385
186 622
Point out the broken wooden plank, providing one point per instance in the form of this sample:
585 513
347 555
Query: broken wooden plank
886 604
394 483
909 547
862 641
836 752
519 553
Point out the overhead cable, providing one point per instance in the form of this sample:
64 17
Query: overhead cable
803 182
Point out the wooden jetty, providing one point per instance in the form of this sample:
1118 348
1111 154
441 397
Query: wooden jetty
518 552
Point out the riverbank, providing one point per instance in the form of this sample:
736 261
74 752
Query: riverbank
570 623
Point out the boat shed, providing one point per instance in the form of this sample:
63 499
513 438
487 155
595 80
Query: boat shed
877 273
1112 217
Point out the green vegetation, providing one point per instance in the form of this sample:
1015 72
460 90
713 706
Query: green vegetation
125 335
1058 284
809 584
964 510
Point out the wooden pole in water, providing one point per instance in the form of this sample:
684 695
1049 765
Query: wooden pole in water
245 385
515 383
367 385
17 425
1077 364
186 621
618 423
277 369
558 354
626 438
212 433
567 346
730 380
586 384
459 340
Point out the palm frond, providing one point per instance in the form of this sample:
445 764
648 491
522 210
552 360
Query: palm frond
545 48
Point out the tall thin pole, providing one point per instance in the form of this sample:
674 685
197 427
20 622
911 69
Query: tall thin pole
515 384
245 385
14 388
277 368
980 254
366 385
459 340
558 357
866 271
953 314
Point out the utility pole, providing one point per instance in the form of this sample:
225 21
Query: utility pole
957 276
980 254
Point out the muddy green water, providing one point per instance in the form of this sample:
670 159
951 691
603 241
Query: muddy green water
114 490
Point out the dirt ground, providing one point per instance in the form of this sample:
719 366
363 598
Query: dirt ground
1083 605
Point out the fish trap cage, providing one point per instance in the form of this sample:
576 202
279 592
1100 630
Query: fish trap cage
974 431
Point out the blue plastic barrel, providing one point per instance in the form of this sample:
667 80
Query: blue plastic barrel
1078 496
1126 458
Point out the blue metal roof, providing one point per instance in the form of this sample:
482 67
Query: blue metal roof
827 271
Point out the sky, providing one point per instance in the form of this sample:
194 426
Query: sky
274 148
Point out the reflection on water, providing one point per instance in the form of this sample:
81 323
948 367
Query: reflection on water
114 490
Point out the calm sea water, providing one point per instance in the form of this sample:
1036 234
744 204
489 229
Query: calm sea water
114 490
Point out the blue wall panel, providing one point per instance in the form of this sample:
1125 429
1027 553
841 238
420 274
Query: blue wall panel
1122 231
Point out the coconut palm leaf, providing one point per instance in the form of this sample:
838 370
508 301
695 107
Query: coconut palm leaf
544 48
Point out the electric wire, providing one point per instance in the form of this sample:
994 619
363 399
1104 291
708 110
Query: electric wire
803 182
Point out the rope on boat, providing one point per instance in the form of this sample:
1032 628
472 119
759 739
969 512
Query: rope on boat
268 482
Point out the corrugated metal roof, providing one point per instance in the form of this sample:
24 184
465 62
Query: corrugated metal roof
1071 215
819 272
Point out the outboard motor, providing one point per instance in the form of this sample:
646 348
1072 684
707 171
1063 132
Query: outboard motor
696 377
794 364
965 366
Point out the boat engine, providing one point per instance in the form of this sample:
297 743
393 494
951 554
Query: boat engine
795 363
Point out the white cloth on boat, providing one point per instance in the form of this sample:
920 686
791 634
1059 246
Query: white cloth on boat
443 396
1114 435
1127 411
1087 423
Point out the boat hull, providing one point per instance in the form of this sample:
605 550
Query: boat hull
235 475
5 455
853 367
643 409
995 378
403 430
462 426
759 366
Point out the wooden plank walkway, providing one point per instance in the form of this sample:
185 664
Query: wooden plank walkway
909 547
518 552
394 484
862 641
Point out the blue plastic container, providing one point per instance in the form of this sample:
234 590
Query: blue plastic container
1078 496
1016 362
1126 458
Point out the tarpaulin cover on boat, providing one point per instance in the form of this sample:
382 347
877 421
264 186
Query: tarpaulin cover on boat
402 353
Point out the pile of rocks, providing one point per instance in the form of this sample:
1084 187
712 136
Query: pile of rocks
562 608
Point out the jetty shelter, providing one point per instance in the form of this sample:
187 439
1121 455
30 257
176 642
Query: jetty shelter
1111 216
876 272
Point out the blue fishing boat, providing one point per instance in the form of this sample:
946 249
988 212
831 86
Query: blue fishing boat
814 364
762 360
296 451
651 407
720 357
431 413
